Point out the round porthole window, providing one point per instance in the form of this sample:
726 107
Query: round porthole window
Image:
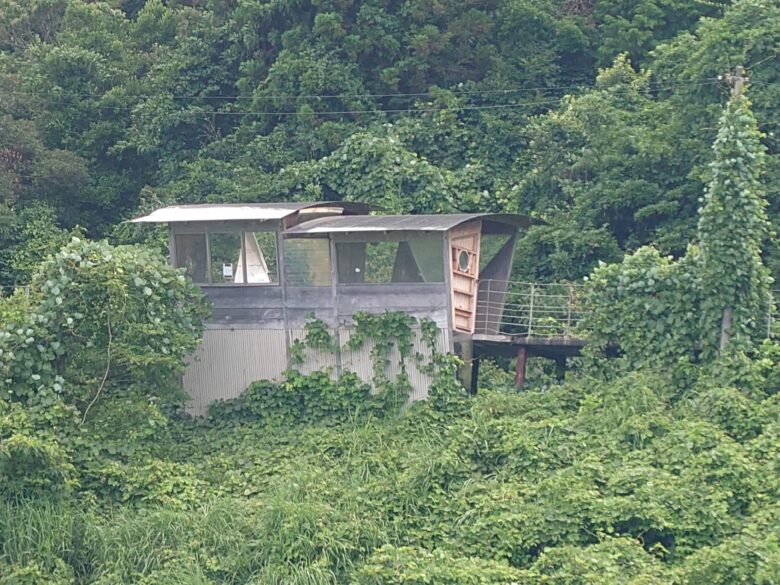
464 261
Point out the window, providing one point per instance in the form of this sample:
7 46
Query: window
225 250
307 261
191 254
417 259
260 253
490 245
231 257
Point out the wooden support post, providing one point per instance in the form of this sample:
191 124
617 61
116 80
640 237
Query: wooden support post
522 356
474 375
725 328
560 368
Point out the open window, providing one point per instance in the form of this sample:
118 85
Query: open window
417 258
228 257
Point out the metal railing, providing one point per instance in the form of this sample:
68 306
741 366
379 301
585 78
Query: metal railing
529 309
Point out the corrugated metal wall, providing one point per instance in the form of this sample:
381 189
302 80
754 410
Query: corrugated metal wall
315 359
229 360
360 362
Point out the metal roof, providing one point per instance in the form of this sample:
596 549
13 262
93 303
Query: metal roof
394 223
208 212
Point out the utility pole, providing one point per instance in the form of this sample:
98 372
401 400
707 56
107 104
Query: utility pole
737 80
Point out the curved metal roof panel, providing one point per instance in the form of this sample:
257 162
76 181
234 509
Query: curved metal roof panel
394 223
208 212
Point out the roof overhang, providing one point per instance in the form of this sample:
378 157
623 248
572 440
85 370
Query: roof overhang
221 212
409 223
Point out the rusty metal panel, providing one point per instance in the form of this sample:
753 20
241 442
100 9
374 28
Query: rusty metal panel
228 360
360 362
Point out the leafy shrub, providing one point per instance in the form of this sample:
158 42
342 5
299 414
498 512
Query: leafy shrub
33 574
412 566
299 398
31 460
615 561
105 313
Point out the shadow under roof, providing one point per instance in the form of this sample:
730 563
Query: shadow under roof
208 212
395 223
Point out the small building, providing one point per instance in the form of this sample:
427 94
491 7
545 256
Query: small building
268 266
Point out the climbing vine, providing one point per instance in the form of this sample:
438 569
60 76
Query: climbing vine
659 310
318 336
732 228
105 317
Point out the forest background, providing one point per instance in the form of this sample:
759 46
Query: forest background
596 116
417 106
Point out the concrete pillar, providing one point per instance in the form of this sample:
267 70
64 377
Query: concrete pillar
522 356
465 350
474 375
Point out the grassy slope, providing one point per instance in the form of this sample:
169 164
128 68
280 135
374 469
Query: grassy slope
635 481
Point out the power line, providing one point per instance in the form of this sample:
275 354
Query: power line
374 95
547 102
355 112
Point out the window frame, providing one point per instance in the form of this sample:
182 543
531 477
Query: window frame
240 228
331 260
386 236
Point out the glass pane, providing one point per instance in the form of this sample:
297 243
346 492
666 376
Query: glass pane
307 261
267 243
225 251
190 250
428 253
489 246
351 262
380 261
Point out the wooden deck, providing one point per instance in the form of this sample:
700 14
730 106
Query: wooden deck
523 319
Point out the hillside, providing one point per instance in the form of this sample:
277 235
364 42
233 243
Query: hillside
638 480
595 116
655 461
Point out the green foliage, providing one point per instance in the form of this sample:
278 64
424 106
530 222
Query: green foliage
37 237
647 306
407 565
297 399
657 310
32 460
318 336
103 313
732 228
666 475
635 480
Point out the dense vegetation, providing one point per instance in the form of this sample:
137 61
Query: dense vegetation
417 105
659 466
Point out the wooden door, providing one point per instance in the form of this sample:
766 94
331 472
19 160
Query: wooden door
464 264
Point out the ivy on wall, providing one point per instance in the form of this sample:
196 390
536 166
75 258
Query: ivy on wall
319 396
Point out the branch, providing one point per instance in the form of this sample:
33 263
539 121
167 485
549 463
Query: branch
105 374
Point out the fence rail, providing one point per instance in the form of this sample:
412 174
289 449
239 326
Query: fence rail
531 309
